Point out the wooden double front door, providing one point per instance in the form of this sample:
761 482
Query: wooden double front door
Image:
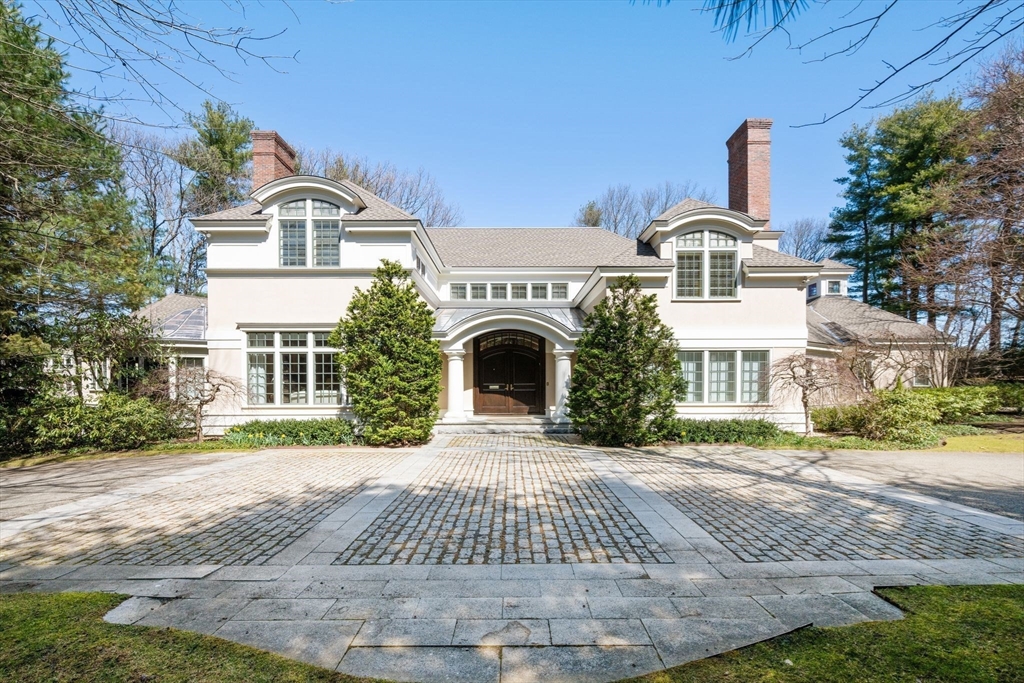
508 372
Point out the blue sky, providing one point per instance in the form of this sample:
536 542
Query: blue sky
525 110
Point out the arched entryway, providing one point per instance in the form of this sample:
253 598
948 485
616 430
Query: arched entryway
508 373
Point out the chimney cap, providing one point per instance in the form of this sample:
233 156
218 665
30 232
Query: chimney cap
274 136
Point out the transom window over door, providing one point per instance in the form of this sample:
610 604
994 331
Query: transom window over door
706 265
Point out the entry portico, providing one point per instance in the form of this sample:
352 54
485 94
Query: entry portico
507 361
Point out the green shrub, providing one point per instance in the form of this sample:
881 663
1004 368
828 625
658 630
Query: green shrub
725 431
834 419
116 422
320 432
390 362
956 404
1011 395
901 416
627 377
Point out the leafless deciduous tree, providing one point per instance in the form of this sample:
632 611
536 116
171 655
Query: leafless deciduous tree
195 387
627 212
958 34
810 377
805 238
415 192
139 45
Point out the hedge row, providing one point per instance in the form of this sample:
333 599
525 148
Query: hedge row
725 431
321 432
115 423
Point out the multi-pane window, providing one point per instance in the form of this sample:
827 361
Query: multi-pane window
260 340
539 290
293 242
326 242
293 209
689 278
293 378
261 378
327 387
754 377
518 291
499 291
325 209
458 292
835 287
478 291
560 291
692 368
706 271
294 339
721 376
294 367
922 376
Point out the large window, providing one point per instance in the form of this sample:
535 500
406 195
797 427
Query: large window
725 376
754 384
692 363
293 243
707 265
326 243
283 366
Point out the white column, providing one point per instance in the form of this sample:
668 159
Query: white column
563 374
455 412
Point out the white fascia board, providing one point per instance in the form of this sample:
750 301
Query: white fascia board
500 271
734 219
422 240
779 272
284 272
379 227
602 272
235 227
424 289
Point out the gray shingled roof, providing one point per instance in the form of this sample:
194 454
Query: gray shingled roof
687 204
568 317
769 258
177 316
832 264
836 320
540 248
376 209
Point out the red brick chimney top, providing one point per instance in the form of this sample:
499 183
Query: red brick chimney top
272 157
750 168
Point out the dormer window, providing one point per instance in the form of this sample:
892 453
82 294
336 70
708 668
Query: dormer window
835 287
706 265
293 228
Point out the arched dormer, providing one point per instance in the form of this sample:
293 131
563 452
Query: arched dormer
308 185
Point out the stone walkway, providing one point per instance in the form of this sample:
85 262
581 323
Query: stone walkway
498 557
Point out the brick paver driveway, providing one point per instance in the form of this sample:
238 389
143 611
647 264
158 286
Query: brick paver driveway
494 557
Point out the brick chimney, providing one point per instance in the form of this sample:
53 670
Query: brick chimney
750 168
272 157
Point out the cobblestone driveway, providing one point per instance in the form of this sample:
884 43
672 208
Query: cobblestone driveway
501 558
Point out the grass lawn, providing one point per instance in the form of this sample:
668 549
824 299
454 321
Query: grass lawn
62 637
164 448
1004 442
955 634
959 634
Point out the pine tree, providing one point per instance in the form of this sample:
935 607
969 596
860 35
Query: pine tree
626 381
390 363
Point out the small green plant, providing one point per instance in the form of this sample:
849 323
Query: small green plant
270 433
752 432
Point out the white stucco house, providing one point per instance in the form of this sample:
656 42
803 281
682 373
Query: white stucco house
509 302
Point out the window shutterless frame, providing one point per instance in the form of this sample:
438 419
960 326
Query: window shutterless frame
726 376
707 265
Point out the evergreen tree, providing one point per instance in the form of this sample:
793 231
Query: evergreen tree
219 154
626 381
390 363
68 252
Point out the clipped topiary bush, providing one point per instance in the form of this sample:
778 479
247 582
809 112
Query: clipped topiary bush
390 362
726 431
329 431
627 378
